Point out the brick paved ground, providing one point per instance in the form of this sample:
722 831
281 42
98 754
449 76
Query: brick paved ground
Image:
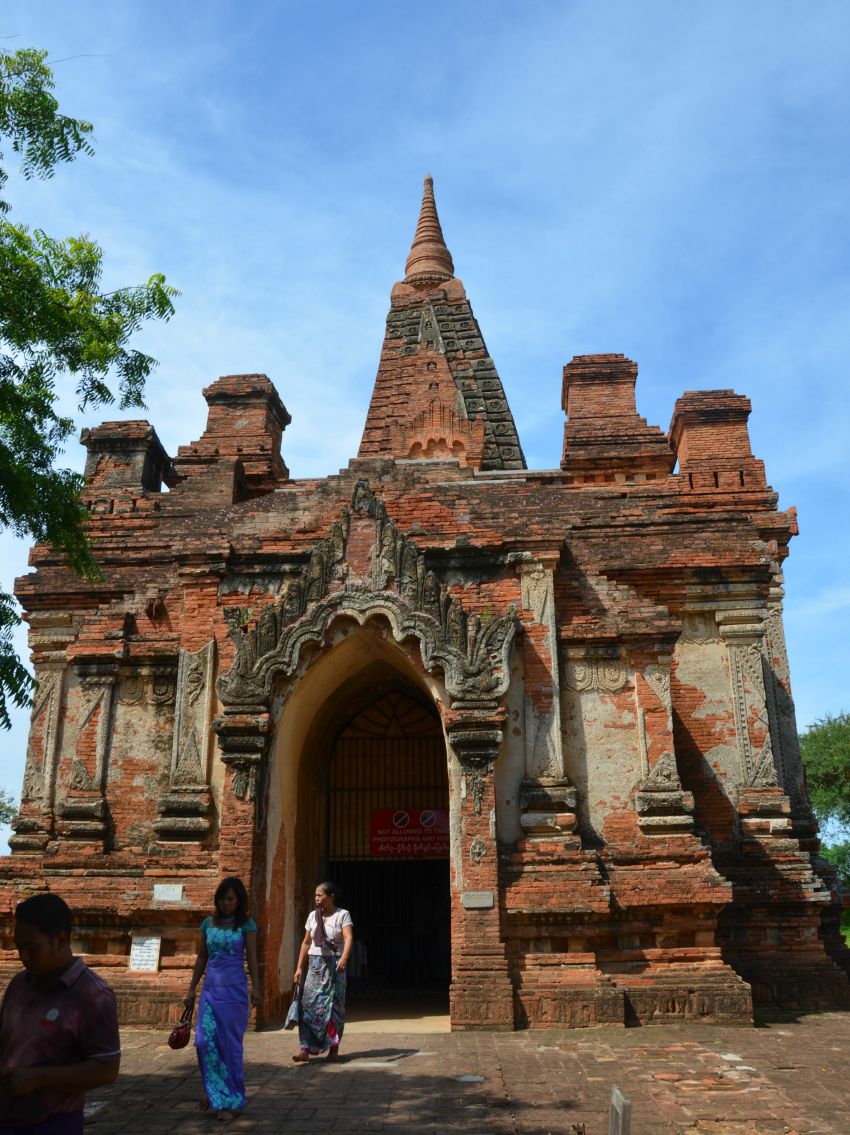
786 1076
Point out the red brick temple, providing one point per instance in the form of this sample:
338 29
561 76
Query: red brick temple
536 724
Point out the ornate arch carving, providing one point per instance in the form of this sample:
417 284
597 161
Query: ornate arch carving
472 655
391 583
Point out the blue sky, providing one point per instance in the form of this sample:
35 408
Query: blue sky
669 180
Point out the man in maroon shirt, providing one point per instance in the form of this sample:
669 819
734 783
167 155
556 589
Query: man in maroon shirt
58 1027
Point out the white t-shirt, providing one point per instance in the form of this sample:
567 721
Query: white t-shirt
333 931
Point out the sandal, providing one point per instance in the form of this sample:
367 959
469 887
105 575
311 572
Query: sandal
300 1057
333 1054
225 1116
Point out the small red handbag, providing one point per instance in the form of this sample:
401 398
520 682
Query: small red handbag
179 1035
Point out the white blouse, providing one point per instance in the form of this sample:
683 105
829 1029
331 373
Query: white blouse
333 931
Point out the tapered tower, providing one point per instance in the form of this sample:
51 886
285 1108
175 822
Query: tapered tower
437 392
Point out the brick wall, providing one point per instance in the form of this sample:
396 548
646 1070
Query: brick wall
639 817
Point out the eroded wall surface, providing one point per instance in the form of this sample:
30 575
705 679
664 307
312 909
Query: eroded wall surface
602 644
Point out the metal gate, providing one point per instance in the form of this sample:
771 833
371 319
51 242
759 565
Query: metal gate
391 758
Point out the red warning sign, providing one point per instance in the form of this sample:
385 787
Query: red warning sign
410 832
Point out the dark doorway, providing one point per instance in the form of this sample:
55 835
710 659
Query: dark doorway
388 845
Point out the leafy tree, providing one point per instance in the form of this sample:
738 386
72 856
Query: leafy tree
839 855
8 808
56 325
825 746
15 681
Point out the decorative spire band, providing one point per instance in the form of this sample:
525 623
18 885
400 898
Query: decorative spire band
429 262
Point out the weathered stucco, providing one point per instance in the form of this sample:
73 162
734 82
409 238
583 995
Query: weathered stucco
600 647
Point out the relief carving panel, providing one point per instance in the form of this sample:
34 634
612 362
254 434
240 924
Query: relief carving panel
602 670
184 808
193 716
42 752
543 751
743 635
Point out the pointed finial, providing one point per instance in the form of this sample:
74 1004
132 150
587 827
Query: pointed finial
429 262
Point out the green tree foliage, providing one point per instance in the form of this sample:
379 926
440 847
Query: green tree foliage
8 807
57 325
839 855
826 755
15 681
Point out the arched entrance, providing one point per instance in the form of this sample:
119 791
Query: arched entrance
388 842
366 609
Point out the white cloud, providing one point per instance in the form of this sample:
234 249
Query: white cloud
661 179
825 605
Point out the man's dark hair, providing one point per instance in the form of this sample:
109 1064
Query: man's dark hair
48 913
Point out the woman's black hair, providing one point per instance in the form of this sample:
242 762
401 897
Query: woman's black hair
231 883
330 889
46 912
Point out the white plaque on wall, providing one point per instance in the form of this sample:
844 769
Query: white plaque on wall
477 900
144 954
168 892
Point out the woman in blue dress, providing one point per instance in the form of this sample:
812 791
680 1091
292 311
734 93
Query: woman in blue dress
228 939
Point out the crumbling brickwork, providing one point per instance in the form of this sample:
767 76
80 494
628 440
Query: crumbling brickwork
601 645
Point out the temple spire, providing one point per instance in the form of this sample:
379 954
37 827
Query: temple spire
437 394
429 262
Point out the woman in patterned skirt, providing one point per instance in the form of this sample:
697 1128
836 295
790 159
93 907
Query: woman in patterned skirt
328 937
228 939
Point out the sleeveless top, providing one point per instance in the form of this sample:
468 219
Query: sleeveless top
226 952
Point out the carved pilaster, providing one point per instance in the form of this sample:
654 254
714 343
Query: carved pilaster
244 742
94 720
548 810
654 709
42 754
543 749
657 677
663 807
82 813
476 745
780 705
481 991
184 809
743 632
33 826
